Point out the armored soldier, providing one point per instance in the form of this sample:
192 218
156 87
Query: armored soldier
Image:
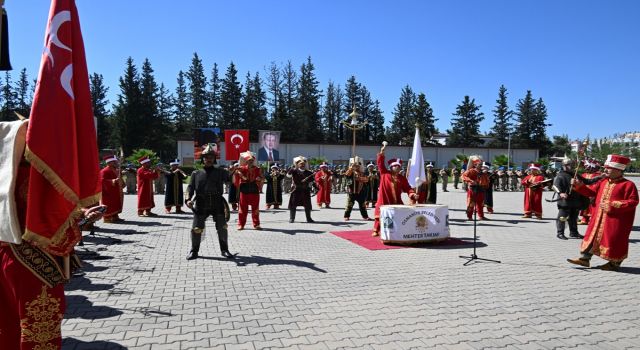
570 202
205 197
356 189
173 194
301 179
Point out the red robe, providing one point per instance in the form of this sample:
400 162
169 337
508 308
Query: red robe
111 193
324 182
245 178
608 232
390 189
586 214
475 192
532 195
145 188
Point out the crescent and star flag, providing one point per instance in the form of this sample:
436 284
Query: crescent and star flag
416 174
61 138
235 142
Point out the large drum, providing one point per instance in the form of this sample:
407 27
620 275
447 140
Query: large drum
406 224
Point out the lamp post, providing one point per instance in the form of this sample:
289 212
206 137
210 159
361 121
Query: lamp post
354 125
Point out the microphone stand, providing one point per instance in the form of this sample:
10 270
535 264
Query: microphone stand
474 256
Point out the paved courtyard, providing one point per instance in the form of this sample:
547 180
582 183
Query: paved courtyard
297 286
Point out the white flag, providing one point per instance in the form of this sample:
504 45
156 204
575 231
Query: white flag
416 174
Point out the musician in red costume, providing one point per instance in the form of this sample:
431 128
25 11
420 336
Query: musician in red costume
608 232
250 182
392 185
592 170
533 189
476 182
146 175
112 185
324 180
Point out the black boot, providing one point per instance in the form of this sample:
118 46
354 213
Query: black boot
196 238
224 244
292 215
307 212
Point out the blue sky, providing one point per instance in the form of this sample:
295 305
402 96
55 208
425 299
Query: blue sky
582 57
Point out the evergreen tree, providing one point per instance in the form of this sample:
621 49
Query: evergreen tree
274 87
129 130
254 103
501 116
167 143
525 112
332 113
287 121
198 93
352 98
403 124
156 140
465 126
308 104
561 146
365 109
23 95
8 99
539 136
376 124
231 99
281 120
423 116
181 107
214 97
99 104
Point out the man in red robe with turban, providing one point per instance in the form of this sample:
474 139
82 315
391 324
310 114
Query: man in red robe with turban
476 182
608 232
533 188
324 180
392 185
112 185
146 175
250 182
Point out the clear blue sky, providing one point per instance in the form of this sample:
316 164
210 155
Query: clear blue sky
582 57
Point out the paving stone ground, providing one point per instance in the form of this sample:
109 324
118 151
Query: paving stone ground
297 286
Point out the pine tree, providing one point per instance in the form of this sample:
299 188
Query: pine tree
423 116
352 98
465 126
365 109
501 116
23 95
156 140
129 130
214 97
254 106
181 106
525 112
332 112
8 99
376 124
231 99
288 120
198 93
403 124
539 129
274 88
308 104
99 103
167 143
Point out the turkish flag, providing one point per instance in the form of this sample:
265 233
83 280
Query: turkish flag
61 138
235 142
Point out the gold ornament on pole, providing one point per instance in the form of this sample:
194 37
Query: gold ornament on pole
354 125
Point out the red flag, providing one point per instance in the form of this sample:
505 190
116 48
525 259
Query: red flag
61 139
235 142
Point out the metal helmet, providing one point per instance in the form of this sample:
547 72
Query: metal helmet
568 162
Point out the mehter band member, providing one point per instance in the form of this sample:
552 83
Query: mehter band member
356 189
250 182
301 179
533 188
112 185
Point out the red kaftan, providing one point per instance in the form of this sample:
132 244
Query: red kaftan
476 182
390 190
608 232
111 193
145 188
324 182
532 195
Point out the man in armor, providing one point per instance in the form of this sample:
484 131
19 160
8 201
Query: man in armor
205 198
569 203
356 189
173 194
372 185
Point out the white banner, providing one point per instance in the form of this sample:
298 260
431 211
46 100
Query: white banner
410 224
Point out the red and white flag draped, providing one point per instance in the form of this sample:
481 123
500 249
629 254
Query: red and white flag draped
61 138
235 142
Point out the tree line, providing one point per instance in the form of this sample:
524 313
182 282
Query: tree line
147 115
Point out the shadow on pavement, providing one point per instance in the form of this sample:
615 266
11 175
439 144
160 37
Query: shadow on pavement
72 343
79 306
121 231
291 232
262 260
79 282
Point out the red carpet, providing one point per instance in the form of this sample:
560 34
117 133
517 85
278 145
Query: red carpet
365 240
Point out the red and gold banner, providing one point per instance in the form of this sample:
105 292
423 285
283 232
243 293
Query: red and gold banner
61 139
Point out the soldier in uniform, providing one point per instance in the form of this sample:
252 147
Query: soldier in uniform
130 173
444 174
205 197
274 187
356 189
427 191
301 179
173 194
112 185
234 194
372 185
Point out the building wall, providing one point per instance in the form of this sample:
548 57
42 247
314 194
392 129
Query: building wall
340 154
